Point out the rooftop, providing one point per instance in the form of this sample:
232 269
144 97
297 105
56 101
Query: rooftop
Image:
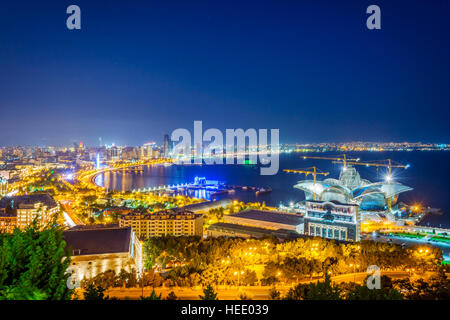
27 200
202 206
89 241
270 216
254 231
336 202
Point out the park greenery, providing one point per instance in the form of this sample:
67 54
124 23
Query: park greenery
33 264
34 261
190 261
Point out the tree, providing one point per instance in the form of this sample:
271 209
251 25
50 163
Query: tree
364 293
105 279
323 291
152 296
209 293
299 292
315 291
274 294
172 296
249 278
244 296
152 279
33 264
387 291
95 293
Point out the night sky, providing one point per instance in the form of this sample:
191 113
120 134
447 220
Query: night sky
139 69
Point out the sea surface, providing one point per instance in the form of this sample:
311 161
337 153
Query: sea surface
428 175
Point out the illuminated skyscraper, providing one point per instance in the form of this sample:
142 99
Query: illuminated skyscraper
97 161
167 146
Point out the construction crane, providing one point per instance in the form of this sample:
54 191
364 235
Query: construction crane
315 172
337 159
388 165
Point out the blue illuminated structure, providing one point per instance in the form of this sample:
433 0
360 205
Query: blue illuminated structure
351 188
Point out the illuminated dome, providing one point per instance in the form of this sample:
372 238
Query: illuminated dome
351 188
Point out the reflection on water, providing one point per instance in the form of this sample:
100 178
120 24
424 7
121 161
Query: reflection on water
149 177
430 182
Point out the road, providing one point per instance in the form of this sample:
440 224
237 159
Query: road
233 293
67 205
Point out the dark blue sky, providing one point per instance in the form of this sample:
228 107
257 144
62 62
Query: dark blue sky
139 69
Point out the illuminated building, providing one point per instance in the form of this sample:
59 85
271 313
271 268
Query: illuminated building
26 208
332 220
167 146
164 223
96 249
8 221
113 153
350 188
3 187
148 151
97 161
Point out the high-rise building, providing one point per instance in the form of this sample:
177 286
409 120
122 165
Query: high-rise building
167 146
146 151
3 187
113 153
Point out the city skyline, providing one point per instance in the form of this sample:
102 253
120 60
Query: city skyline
240 150
313 71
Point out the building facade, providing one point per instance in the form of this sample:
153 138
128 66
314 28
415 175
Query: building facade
164 223
23 210
8 221
332 220
96 249
3 187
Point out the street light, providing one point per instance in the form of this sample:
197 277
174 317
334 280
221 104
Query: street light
239 276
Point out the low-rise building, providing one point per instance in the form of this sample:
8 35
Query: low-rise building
164 223
332 220
96 249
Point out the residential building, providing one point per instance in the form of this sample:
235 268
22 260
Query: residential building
164 223
27 208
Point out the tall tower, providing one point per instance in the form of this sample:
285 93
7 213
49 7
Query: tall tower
167 146
3 187
97 161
